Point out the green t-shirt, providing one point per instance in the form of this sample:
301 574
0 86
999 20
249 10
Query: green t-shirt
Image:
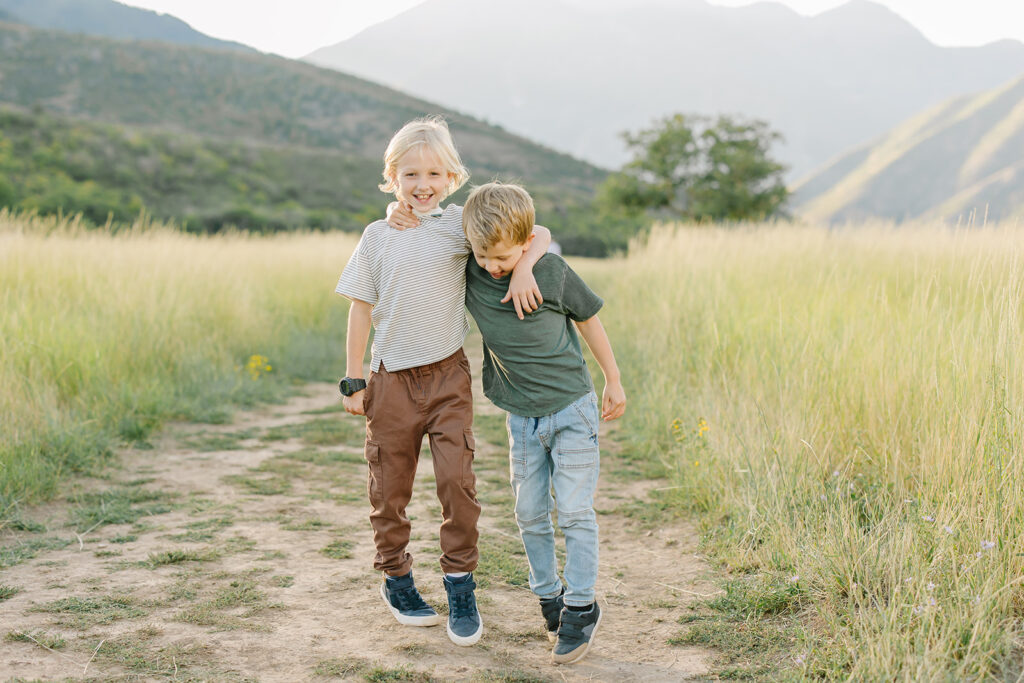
533 367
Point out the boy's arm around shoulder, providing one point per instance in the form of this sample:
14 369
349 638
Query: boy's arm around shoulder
522 287
613 400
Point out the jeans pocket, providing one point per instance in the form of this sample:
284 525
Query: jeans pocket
375 474
578 458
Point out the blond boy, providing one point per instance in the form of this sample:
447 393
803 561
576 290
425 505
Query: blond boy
409 285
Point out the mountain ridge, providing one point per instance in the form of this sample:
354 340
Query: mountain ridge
958 158
110 19
826 82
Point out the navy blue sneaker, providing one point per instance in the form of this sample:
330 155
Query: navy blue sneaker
464 623
575 634
551 608
406 603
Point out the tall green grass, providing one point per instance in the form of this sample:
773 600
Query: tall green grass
106 336
863 392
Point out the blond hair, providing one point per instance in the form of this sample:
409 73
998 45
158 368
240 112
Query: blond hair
497 212
431 132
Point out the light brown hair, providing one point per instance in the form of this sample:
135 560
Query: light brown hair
497 212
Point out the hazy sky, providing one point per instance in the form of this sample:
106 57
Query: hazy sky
298 27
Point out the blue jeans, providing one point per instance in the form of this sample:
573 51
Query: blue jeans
561 452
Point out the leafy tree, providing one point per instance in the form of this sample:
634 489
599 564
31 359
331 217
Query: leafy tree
697 168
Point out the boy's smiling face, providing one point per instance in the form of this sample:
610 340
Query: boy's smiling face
421 178
500 259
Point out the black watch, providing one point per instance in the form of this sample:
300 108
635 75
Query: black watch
350 386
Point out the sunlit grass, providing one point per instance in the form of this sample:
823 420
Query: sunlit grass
107 336
845 411
842 410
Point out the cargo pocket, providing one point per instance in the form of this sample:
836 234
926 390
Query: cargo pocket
375 474
468 477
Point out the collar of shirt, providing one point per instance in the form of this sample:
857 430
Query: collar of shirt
434 213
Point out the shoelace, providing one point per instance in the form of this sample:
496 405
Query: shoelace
463 601
409 599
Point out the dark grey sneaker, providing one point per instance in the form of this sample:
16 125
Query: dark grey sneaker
551 608
405 602
575 634
464 623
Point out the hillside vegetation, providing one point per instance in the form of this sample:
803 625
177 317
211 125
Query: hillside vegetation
211 138
959 161
53 164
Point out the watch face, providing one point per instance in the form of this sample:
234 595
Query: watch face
351 386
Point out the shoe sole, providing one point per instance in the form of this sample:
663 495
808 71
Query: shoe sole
552 636
580 652
465 641
429 620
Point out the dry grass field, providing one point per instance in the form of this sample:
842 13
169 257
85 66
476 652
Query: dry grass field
839 413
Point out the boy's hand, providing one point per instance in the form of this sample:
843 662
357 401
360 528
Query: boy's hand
401 217
354 403
613 403
523 292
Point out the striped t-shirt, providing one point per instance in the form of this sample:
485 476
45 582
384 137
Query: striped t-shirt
416 281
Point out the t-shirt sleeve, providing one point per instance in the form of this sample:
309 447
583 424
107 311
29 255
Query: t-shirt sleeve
357 281
579 300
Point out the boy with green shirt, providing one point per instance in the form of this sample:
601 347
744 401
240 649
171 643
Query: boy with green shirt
534 369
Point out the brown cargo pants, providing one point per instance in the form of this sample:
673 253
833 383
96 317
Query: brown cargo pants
401 407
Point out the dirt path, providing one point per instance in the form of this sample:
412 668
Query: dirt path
242 552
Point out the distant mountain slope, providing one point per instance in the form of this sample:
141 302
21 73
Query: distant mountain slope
961 157
574 77
52 163
109 19
203 109
256 97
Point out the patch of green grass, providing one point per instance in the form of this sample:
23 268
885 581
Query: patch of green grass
8 592
510 676
282 581
325 458
327 410
659 507
311 524
212 523
238 593
338 550
41 638
322 432
503 562
339 667
382 674
758 597
269 486
194 536
122 505
492 429
107 553
16 553
126 538
223 441
82 613
179 556
184 661
22 524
